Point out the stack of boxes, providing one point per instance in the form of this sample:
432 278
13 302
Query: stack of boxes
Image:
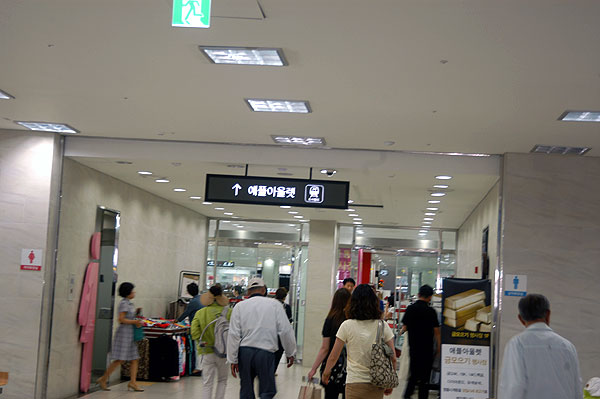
468 309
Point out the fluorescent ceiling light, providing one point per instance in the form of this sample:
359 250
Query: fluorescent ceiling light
5 96
429 214
298 217
423 231
426 222
443 177
48 127
225 221
432 209
357 219
264 105
179 190
350 202
440 186
235 217
438 194
298 140
207 203
353 215
350 210
356 222
244 55
303 220
285 206
360 232
292 225
195 198
580 116
562 150
219 208
293 212
144 173
422 234
162 181
434 201
228 213
427 218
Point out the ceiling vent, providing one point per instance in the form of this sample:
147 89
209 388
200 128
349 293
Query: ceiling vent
561 150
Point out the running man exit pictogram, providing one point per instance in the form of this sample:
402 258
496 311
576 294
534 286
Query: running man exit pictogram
191 13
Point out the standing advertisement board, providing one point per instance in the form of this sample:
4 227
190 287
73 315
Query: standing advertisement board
466 328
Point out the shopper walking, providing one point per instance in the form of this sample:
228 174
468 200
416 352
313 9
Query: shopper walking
421 322
539 363
359 333
124 347
336 316
280 295
255 325
349 284
213 366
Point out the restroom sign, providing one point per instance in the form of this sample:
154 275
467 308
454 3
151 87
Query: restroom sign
31 259
515 285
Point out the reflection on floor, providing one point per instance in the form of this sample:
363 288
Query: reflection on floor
288 385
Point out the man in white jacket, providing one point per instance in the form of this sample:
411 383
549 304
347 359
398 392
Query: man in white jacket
539 363
255 325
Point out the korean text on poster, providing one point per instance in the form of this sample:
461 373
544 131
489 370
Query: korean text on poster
465 371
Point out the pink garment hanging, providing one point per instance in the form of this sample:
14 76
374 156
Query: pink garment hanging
87 314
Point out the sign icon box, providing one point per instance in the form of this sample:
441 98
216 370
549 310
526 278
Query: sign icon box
314 193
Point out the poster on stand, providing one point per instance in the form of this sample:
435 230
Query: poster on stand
466 328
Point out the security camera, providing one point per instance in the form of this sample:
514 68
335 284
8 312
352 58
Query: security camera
329 172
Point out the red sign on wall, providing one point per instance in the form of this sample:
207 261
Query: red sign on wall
31 259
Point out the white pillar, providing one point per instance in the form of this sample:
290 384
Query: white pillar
320 280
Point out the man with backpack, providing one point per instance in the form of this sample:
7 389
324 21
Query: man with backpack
210 326
256 323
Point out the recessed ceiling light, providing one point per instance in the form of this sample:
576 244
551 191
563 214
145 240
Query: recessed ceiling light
293 212
561 150
207 203
195 198
285 206
298 217
432 209
244 55
292 225
350 210
580 116
434 201
350 202
426 222
423 231
360 232
264 105
144 173
219 208
225 221
303 220
357 219
5 96
422 234
428 219
438 194
162 181
179 190
356 222
443 177
298 140
48 127
235 217
228 213
353 214
440 186
429 214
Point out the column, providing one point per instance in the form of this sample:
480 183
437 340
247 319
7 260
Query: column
320 282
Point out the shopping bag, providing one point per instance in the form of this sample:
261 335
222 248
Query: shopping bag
309 391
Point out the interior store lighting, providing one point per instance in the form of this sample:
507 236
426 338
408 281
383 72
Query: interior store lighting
219 208
5 96
353 215
350 210
429 214
561 150
357 219
432 209
144 173
48 127
179 190
298 140
228 213
303 220
298 217
443 177
434 201
195 197
293 212
286 106
162 181
207 203
426 222
580 116
350 202
429 219
440 186
244 55
285 207
438 194
423 231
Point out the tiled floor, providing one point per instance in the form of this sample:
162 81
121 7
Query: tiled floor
288 385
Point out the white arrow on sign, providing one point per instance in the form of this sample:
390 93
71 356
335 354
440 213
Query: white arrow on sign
237 188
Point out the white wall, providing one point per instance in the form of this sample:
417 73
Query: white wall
27 169
470 236
551 230
157 240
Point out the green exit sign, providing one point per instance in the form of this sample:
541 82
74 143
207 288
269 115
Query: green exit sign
191 13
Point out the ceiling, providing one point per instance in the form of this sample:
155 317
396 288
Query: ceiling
484 77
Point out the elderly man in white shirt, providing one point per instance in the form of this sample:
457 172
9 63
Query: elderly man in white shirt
255 325
539 363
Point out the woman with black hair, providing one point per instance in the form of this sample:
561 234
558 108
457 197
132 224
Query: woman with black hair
335 318
359 333
124 347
